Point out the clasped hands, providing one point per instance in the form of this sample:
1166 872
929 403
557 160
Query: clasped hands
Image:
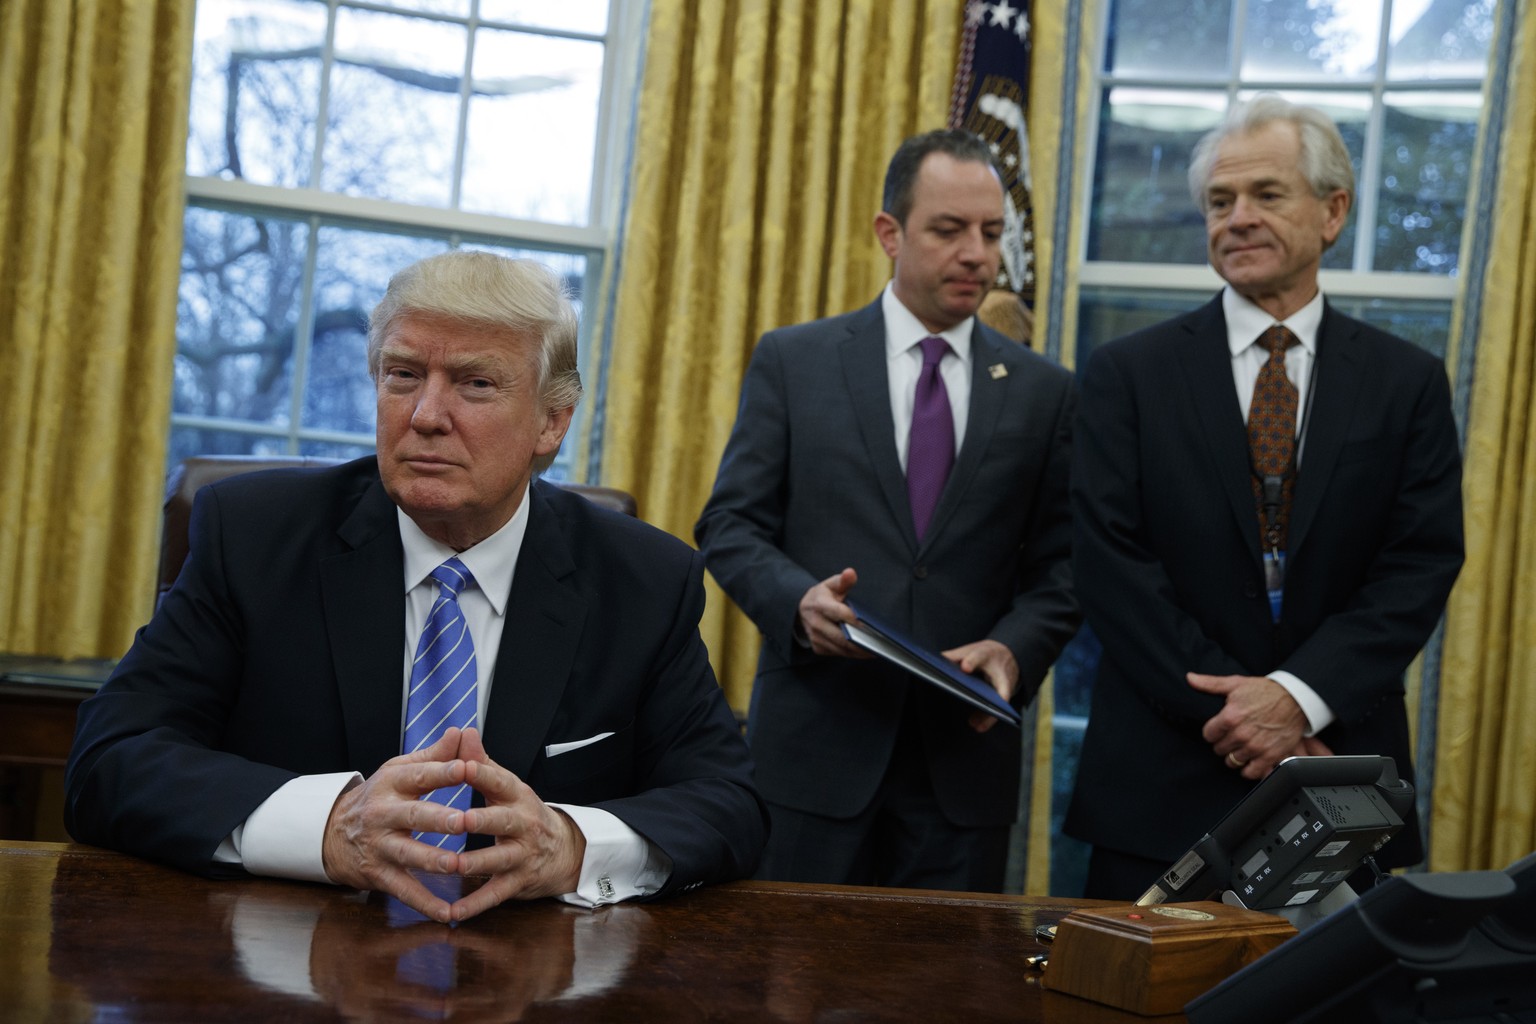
1259 726
824 609
538 849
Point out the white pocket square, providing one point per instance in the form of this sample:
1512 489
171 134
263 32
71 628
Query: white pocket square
556 749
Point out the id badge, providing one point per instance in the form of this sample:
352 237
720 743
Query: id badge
1274 580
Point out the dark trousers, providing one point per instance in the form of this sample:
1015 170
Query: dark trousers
902 840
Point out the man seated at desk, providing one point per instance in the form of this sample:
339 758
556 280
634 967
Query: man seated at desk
285 664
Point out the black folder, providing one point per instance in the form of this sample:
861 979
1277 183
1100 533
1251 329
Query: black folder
885 642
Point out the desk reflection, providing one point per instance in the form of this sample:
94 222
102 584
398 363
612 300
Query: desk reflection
311 952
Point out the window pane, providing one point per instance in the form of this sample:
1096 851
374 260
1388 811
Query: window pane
1305 40
335 450
1425 322
1106 314
1426 169
189 441
255 90
1141 209
353 267
394 108
1438 39
1069 857
569 15
454 7
532 127
237 306
1161 37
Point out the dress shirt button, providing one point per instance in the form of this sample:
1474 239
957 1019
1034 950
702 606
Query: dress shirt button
920 571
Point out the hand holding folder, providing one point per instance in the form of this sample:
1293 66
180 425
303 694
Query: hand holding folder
932 668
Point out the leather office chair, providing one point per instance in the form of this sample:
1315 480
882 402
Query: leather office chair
197 470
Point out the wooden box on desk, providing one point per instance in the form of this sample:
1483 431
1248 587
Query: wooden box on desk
1153 960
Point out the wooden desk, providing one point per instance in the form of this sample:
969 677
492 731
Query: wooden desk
96 935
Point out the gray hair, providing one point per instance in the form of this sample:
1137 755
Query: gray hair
483 289
1324 160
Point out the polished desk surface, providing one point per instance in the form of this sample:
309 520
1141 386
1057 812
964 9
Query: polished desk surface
87 934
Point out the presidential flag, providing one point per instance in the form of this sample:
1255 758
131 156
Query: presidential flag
991 98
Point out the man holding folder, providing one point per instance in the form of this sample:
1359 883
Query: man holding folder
910 459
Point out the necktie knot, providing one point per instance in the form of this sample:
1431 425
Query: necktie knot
1277 339
453 576
933 350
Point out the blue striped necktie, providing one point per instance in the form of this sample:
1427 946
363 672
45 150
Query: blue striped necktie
443 686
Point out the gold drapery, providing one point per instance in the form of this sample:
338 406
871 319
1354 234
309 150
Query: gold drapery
93 125
762 137
1484 809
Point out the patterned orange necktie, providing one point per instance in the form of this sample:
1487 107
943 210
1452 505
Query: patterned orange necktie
1272 435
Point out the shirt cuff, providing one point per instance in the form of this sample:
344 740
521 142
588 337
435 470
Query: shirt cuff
1319 715
620 863
284 837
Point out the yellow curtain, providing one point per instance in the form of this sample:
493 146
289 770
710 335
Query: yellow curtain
93 122
1484 810
762 138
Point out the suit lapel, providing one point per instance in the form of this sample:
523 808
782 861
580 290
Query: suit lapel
1206 363
1337 377
544 620
862 353
363 594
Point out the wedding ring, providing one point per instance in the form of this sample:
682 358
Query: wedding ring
1233 762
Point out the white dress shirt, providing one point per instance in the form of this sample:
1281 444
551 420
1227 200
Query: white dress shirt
1245 323
283 837
904 364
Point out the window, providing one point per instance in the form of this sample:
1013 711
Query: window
334 142
1402 78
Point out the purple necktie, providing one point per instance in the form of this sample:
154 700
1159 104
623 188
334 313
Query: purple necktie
931 444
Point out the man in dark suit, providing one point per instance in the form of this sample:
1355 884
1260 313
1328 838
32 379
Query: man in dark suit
871 776
1259 592
283 666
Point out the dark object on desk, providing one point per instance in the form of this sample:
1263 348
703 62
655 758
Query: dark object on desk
1454 948
932 668
1153 960
196 471
1294 838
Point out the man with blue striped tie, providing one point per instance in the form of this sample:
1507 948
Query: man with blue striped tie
430 660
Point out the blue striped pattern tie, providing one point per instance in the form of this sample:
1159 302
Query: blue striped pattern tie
443 686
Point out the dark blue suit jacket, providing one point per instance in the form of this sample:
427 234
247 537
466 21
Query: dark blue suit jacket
279 653
1168 568
810 483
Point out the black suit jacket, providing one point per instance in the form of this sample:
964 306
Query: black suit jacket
810 483
279 652
1168 566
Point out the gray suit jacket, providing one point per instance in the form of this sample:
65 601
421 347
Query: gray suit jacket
810 483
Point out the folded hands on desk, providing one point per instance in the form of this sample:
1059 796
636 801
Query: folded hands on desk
537 852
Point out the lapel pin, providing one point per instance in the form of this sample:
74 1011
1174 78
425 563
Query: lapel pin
998 371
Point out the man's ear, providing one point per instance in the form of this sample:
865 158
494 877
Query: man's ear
888 231
556 423
1336 207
